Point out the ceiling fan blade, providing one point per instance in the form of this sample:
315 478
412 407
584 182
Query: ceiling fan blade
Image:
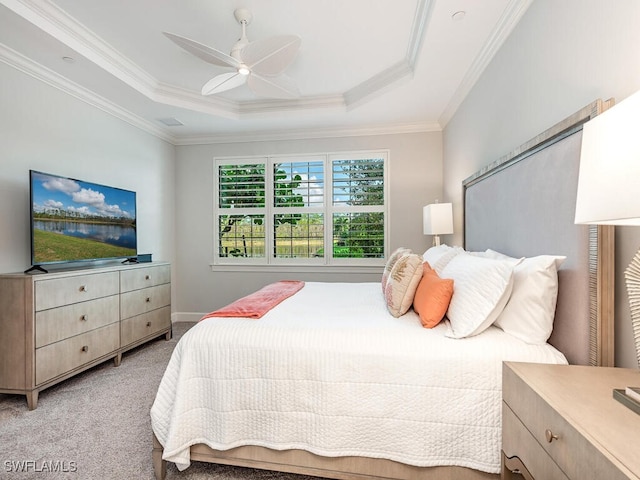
203 52
271 55
281 86
225 81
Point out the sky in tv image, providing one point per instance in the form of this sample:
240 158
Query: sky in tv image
51 193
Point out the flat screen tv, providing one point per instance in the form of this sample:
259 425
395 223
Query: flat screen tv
77 221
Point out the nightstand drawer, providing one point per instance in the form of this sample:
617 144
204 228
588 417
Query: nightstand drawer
518 442
573 452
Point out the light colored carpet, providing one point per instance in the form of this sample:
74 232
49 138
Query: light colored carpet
97 426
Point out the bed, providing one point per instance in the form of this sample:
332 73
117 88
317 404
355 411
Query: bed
427 405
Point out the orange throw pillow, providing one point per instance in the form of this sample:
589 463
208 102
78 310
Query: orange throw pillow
432 297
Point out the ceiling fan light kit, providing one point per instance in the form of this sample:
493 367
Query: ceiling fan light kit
259 64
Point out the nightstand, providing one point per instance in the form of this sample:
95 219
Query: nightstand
562 422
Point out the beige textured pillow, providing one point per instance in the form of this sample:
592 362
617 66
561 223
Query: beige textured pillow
402 283
393 258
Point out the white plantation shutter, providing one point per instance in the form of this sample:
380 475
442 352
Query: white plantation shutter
358 206
317 209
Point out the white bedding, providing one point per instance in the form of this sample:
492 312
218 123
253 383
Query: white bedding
330 371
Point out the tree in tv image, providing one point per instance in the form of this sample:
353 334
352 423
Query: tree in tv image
76 220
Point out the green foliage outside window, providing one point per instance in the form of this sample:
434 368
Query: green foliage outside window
356 222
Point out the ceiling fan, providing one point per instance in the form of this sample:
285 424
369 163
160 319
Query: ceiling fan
259 64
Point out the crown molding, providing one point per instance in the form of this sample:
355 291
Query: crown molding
418 31
404 69
190 100
297 105
45 75
377 84
57 23
306 134
51 78
509 19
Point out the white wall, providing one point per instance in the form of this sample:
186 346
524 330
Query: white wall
416 179
560 57
44 129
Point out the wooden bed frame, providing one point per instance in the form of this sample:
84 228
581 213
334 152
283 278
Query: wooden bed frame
500 217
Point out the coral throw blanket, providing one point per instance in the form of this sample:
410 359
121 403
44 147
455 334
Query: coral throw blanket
258 303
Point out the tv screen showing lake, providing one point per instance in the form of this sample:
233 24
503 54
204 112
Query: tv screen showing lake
76 220
118 235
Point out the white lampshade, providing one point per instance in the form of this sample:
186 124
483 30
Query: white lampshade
609 176
608 182
437 219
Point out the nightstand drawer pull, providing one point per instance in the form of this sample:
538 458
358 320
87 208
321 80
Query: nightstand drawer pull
550 436
83 288
147 277
83 317
148 324
85 348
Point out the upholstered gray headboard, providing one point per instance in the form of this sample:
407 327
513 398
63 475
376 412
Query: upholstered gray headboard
524 205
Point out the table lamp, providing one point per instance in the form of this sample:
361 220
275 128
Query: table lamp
609 181
437 219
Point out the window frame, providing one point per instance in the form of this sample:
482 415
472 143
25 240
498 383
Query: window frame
328 209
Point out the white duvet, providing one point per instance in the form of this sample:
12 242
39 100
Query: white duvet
330 371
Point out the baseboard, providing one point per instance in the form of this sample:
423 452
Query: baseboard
190 317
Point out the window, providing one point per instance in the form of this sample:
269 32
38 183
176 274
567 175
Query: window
304 209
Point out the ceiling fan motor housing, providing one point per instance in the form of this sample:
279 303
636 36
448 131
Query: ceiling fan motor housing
243 15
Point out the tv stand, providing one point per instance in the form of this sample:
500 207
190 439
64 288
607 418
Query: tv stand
130 260
35 268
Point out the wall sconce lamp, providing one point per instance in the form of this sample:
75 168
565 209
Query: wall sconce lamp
608 183
437 219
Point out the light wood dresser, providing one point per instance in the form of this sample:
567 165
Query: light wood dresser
562 422
55 325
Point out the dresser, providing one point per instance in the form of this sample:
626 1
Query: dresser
55 325
562 422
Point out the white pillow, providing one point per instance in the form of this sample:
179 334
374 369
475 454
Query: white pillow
439 256
531 309
481 289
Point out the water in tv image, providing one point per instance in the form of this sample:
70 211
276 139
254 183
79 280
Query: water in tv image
75 220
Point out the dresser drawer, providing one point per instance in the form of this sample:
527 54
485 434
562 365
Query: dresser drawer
56 324
137 278
141 326
574 454
142 301
62 357
57 292
517 441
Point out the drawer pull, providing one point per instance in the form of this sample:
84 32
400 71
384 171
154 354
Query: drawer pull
147 277
85 348
83 288
83 318
148 324
148 299
549 435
